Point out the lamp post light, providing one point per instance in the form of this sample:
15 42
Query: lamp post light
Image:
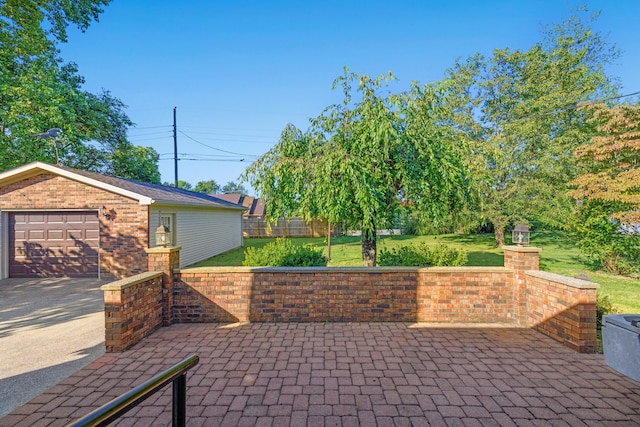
163 237
520 235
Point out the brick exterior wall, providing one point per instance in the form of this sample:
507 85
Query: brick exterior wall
560 307
133 310
123 238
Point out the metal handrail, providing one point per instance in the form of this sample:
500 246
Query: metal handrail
122 404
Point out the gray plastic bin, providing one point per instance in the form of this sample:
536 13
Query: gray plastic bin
621 343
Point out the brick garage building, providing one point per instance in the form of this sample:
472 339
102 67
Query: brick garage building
61 222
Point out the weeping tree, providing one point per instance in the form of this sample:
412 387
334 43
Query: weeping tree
363 160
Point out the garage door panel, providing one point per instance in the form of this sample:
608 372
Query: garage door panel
35 235
33 218
21 218
74 235
80 217
53 244
55 235
92 235
56 218
33 251
56 251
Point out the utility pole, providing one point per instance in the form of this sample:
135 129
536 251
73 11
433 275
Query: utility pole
175 147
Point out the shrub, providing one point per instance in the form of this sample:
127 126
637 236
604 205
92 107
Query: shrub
422 255
283 253
604 306
602 243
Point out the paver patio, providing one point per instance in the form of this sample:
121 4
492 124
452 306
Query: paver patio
352 374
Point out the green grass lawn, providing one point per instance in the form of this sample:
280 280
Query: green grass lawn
559 255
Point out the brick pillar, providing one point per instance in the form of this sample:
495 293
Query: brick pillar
165 260
521 259
114 318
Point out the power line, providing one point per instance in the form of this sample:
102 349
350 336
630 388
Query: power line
231 129
575 106
147 139
150 133
233 134
201 155
236 141
214 148
212 160
149 127
207 160
212 155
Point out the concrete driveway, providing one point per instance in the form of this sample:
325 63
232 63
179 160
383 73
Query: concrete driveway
49 328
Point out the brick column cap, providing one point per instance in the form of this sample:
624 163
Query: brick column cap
127 282
522 249
163 250
563 280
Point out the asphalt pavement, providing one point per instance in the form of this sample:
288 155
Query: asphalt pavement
49 328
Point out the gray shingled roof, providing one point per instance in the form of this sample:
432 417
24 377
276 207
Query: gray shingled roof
159 193
256 207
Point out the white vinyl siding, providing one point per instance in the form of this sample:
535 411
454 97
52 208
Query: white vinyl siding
201 232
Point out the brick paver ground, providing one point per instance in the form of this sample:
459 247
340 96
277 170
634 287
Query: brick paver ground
358 374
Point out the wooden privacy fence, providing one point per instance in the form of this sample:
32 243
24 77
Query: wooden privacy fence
296 227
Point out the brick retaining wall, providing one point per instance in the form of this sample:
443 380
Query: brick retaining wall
466 294
560 307
563 308
358 294
133 309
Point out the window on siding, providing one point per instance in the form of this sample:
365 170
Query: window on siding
169 220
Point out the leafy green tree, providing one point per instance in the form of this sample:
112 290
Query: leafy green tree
139 163
611 162
181 184
39 92
608 212
519 110
207 187
603 243
232 187
362 160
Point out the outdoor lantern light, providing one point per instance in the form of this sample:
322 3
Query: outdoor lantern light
520 235
105 212
163 237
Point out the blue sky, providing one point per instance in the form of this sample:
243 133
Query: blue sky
239 71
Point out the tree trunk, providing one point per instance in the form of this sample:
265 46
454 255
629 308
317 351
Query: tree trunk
498 233
369 248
